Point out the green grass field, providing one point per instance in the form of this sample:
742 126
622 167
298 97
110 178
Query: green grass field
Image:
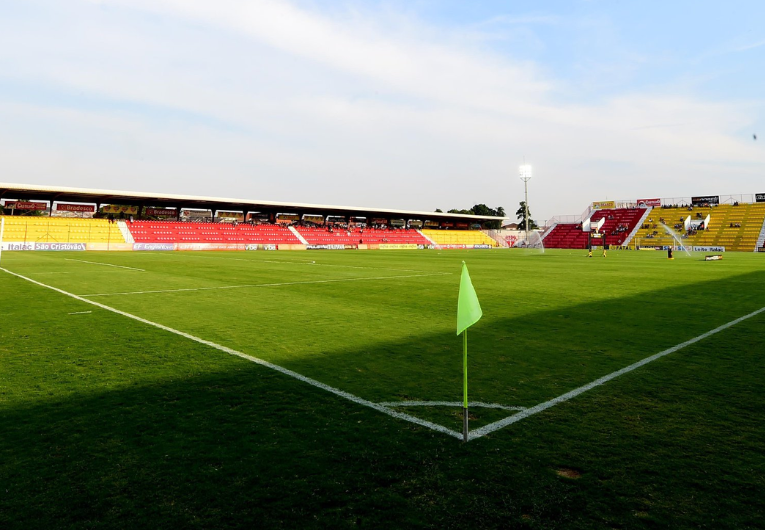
111 422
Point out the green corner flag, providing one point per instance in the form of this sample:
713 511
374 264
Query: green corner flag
468 313
468 309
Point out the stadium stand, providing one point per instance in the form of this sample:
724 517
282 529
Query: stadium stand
44 229
618 224
733 226
192 232
459 237
355 236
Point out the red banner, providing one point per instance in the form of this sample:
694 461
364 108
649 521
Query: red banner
645 203
19 205
156 212
62 207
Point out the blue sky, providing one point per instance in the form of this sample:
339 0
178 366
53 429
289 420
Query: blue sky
400 104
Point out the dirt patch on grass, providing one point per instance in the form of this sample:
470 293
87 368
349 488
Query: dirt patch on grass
568 472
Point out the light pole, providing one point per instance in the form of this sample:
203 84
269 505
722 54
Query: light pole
525 171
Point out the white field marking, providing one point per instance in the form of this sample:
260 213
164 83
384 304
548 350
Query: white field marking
261 362
104 264
471 404
305 262
81 313
266 284
486 429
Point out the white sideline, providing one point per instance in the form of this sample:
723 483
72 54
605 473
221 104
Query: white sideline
266 284
486 429
104 264
477 404
285 371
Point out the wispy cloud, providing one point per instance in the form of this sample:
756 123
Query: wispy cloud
265 99
750 46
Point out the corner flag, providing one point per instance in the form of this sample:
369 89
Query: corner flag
468 309
468 313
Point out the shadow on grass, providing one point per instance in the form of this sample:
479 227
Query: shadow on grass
244 446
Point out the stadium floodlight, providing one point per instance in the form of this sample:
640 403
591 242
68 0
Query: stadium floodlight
525 171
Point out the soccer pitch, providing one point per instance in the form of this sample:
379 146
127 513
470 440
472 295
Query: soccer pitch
319 389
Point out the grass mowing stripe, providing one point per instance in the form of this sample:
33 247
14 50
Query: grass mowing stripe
285 371
486 429
105 264
267 284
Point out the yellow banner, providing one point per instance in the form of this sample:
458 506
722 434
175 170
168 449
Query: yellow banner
603 205
117 208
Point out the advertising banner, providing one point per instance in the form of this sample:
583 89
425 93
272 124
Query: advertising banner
239 216
326 247
10 245
450 246
117 208
59 246
159 212
63 207
23 205
759 197
261 247
109 246
318 219
397 246
209 246
289 217
431 224
645 203
708 249
461 225
481 245
706 199
603 205
153 246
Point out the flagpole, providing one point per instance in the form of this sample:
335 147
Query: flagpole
465 389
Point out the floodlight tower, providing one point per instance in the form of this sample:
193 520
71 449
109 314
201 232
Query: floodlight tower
525 171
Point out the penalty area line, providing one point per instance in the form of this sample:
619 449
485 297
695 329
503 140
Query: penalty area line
486 429
159 291
313 382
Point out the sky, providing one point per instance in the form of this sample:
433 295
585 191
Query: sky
417 104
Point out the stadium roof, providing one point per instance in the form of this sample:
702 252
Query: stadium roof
59 194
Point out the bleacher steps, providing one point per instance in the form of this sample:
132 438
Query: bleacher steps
297 235
760 238
122 225
637 227
426 237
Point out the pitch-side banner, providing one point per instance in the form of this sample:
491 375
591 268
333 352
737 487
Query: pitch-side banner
645 203
603 205
706 199
759 197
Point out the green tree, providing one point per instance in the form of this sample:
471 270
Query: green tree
482 209
521 214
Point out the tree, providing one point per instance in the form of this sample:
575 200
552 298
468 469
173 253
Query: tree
439 210
521 214
482 209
